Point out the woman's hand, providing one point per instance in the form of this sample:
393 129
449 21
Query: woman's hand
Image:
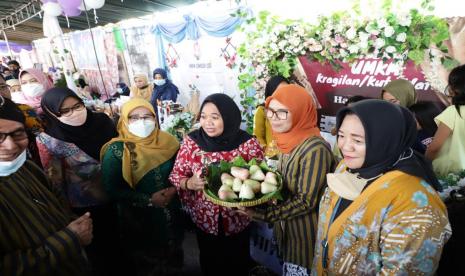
196 183
163 197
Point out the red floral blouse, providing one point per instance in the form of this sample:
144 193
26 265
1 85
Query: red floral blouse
202 211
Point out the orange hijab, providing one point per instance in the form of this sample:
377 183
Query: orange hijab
304 116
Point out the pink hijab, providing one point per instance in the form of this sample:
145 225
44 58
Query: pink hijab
34 102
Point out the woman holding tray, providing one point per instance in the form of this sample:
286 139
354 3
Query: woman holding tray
222 233
305 160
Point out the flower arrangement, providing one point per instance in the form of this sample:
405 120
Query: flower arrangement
273 45
179 124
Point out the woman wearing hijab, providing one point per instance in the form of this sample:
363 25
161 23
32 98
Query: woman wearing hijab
401 92
380 214
136 166
164 89
304 162
34 83
69 149
142 88
222 233
121 90
38 234
262 127
33 123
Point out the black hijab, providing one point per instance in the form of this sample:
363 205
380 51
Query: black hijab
232 136
90 137
10 111
390 132
165 92
273 83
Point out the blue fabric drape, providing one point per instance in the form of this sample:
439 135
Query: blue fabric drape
190 26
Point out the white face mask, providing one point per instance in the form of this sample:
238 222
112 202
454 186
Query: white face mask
17 96
142 128
33 90
159 82
119 90
78 118
10 167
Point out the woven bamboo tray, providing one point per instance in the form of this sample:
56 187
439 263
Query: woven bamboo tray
244 203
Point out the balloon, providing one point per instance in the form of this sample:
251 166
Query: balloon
51 9
70 7
71 12
81 7
94 4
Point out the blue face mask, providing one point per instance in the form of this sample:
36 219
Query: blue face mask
10 167
159 82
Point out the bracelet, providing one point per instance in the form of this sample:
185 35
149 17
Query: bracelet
185 184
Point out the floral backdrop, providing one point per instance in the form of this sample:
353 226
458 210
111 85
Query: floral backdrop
274 45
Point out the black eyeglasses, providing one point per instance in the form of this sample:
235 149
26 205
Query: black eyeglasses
17 135
280 114
134 118
66 112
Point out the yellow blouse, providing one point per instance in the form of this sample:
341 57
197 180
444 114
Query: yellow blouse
397 226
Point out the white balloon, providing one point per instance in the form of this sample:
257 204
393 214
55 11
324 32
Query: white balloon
94 4
52 9
81 7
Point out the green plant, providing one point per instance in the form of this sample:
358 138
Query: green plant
272 45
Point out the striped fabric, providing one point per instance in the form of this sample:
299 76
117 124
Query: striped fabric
33 235
296 219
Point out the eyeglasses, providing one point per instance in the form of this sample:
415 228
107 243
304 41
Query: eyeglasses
66 112
134 118
280 114
17 135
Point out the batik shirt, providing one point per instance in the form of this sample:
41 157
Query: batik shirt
397 226
203 212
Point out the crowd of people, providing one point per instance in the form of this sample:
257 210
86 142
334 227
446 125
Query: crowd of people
80 195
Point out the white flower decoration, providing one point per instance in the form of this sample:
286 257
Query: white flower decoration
390 49
353 49
379 43
363 36
351 33
382 23
405 20
402 37
343 52
389 31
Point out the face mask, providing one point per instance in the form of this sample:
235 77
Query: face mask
142 128
10 167
119 90
33 90
78 118
347 185
159 82
16 96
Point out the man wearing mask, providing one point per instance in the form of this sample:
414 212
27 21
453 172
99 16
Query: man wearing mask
37 233
14 67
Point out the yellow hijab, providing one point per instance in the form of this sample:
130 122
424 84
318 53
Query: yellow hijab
141 155
144 93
